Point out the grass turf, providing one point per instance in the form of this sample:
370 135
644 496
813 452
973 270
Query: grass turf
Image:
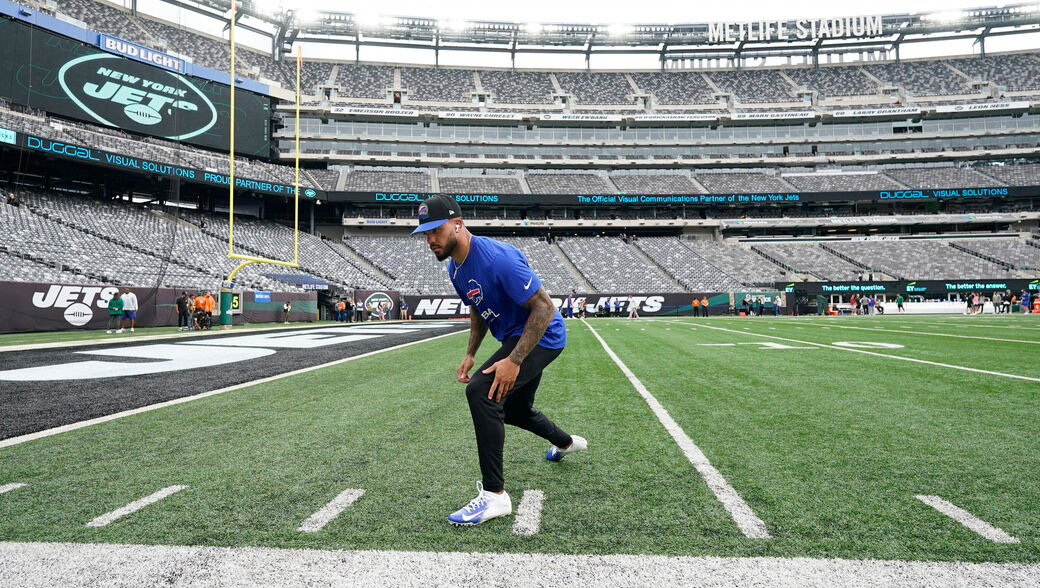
827 446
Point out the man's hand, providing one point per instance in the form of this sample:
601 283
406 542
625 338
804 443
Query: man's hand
505 376
464 368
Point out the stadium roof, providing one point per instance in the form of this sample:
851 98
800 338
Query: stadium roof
289 24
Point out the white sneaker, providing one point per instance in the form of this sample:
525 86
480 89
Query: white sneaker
577 444
131 329
109 331
119 331
486 506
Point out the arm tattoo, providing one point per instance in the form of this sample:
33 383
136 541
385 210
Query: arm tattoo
477 329
542 312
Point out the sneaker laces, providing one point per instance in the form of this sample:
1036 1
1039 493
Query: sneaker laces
477 503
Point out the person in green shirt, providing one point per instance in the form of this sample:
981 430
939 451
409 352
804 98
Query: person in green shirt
821 304
899 303
115 311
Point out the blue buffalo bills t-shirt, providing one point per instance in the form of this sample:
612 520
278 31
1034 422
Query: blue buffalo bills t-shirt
496 280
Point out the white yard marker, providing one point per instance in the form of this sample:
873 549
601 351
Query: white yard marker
529 513
938 335
749 523
11 486
885 355
134 506
54 564
318 520
967 519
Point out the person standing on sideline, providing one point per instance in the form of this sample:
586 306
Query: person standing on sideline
1007 301
115 311
209 304
633 308
569 305
129 310
183 316
696 305
899 303
704 306
776 305
359 311
505 297
286 309
404 310
998 301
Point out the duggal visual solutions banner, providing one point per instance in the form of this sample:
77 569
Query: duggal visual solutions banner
132 163
631 200
69 78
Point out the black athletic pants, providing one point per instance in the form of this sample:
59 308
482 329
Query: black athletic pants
183 318
490 418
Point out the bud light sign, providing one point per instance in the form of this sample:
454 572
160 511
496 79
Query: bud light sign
140 53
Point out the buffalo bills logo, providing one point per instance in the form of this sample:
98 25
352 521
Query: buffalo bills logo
476 293
424 212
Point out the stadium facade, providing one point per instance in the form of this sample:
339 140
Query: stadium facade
830 160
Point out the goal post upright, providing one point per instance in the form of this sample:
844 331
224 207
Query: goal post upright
249 259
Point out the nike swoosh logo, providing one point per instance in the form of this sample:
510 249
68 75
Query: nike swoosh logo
529 283
471 517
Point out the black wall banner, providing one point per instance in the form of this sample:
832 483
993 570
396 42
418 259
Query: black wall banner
450 306
905 287
390 300
267 307
69 78
634 200
30 306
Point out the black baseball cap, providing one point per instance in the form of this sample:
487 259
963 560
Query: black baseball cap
436 211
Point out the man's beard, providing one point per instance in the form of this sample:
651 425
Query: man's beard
448 249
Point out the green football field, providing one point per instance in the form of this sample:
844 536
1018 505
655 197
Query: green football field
828 430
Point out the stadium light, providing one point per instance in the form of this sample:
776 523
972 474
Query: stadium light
533 28
268 7
946 16
451 25
370 20
620 30
307 16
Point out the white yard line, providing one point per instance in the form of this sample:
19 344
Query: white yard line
76 564
73 426
885 355
318 520
930 334
749 523
529 513
125 338
967 519
982 326
12 486
134 506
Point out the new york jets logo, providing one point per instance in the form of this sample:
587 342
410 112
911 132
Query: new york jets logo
377 299
134 96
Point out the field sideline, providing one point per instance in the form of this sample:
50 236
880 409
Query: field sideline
834 432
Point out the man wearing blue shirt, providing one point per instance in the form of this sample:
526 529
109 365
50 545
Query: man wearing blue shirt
505 297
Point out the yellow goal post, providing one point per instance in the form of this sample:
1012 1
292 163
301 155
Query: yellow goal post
249 259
